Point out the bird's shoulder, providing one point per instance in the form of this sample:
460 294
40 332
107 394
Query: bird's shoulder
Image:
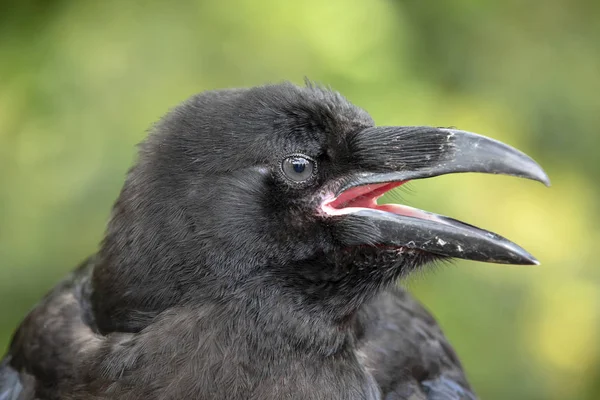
404 348
400 344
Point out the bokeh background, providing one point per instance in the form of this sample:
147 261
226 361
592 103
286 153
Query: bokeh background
81 81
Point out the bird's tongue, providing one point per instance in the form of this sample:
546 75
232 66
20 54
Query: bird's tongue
366 196
363 196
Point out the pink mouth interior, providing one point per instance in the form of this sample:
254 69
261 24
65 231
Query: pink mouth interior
361 197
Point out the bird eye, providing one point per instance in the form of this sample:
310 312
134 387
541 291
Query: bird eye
298 168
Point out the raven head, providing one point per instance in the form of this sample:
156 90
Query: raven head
272 191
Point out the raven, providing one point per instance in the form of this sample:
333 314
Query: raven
246 257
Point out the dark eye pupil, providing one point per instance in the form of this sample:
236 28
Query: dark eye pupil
299 166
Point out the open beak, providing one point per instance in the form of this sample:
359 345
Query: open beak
387 157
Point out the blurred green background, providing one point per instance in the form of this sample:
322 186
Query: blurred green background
81 81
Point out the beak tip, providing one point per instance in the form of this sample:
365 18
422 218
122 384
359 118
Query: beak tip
516 255
535 171
528 259
543 178
531 261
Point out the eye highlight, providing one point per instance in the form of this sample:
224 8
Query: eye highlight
298 168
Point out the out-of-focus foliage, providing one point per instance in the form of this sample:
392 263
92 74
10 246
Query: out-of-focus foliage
81 81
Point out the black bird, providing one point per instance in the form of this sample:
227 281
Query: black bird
246 258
